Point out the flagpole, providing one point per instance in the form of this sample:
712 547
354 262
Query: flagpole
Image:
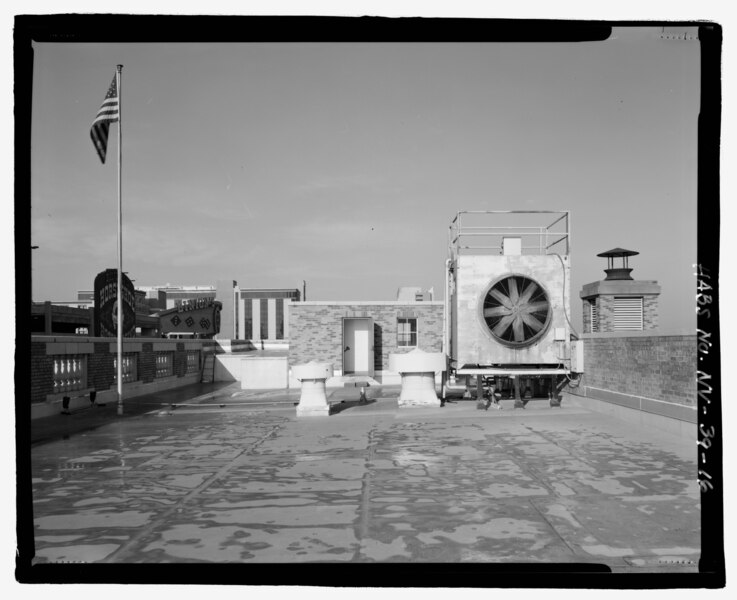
120 242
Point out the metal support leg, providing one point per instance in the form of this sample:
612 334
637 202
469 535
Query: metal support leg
556 397
480 404
517 398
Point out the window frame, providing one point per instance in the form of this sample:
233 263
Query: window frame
412 334
130 367
164 364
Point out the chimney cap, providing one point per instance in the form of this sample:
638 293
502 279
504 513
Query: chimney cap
618 252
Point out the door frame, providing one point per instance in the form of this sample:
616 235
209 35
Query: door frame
370 320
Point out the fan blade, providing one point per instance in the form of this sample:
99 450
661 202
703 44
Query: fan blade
519 335
497 311
502 325
513 291
527 294
499 296
533 307
535 324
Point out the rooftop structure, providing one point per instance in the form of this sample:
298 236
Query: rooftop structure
415 294
619 302
624 271
509 232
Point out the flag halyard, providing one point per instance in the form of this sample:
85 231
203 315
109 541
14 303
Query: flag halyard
108 113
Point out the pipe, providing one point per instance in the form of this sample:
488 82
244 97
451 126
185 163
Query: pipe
446 337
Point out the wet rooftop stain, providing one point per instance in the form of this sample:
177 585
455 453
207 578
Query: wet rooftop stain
78 553
92 520
603 550
187 481
267 487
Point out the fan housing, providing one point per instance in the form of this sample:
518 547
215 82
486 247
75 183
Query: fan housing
515 310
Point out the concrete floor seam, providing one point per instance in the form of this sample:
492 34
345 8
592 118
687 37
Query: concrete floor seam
124 550
553 528
366 493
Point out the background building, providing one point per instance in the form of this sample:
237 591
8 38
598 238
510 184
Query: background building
358 337
415 294
255 314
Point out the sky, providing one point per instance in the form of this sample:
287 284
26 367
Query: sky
342 165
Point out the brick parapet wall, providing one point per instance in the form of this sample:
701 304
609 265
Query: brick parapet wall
147 363
662 367
180 361
101 367
42 376
100 361
315 330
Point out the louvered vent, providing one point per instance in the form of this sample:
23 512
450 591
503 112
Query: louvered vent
594 316
627 313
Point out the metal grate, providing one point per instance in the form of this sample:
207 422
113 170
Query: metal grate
628 313
594 315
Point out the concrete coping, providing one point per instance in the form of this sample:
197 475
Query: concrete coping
366 303
635 333
59 396
127 347
39 337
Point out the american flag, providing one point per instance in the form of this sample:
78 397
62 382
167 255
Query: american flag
107 114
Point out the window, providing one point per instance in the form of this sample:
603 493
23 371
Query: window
248 319
280 318
628 313
70 373
164 364
130 367
193 361
264 318
406 331
594 314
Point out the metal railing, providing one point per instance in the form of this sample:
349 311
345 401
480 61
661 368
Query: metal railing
530 227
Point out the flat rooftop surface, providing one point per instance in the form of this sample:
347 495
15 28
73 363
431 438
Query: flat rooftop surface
235 477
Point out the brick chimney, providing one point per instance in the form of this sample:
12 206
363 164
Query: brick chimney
619 302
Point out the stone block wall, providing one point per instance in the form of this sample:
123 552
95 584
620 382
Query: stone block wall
661 367
316 334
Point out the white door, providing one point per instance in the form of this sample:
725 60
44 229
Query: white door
358 356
